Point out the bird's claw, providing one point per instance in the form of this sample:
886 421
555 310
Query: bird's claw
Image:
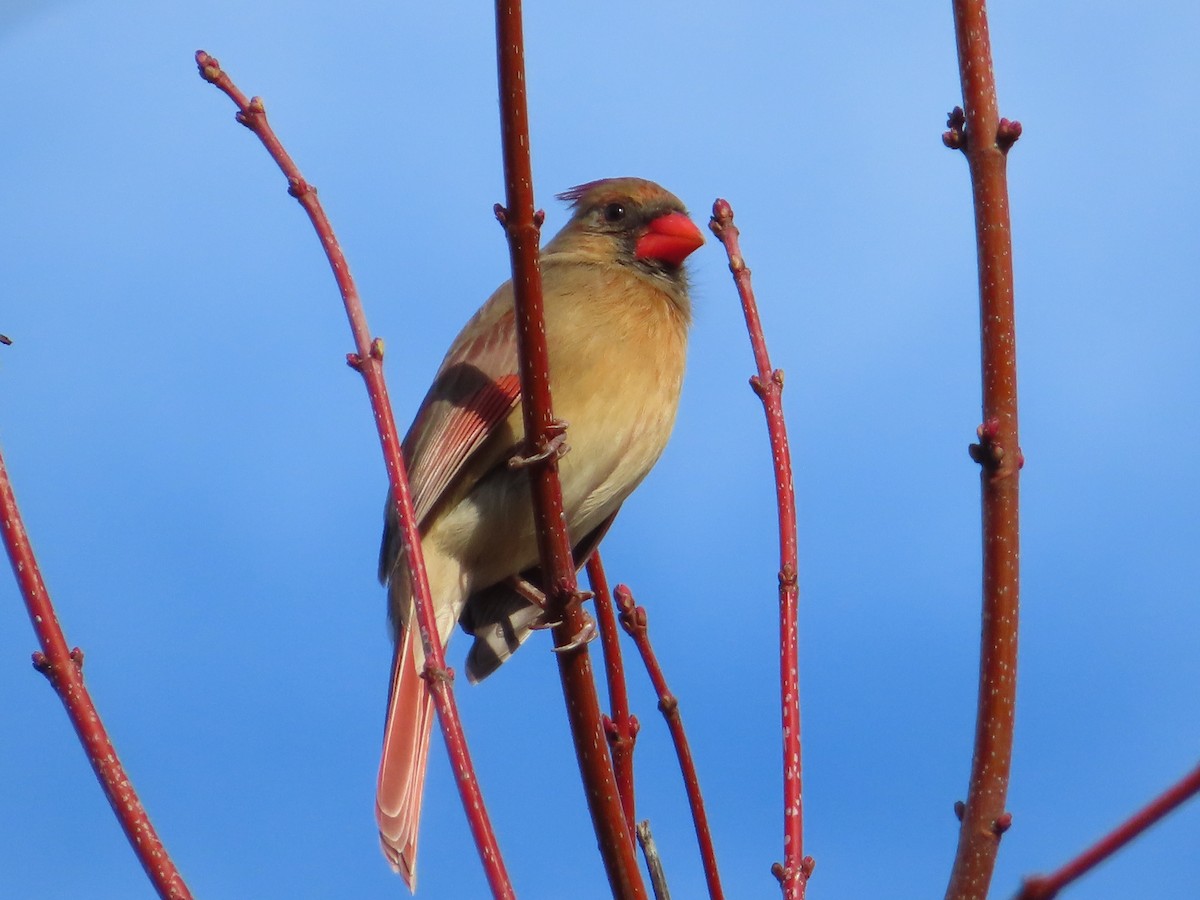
586 635
556 447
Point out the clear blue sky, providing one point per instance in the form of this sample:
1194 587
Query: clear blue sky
200 476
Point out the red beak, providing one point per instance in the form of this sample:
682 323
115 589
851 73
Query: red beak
670 238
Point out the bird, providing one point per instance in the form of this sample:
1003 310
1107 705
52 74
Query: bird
617 315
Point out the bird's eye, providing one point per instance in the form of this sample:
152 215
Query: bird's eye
614 212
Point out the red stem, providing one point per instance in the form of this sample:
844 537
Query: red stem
986 140
64 669
794 872
1047 886
621 727
368 361
522 226
634 621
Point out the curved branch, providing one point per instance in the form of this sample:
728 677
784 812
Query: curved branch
368 361
793 873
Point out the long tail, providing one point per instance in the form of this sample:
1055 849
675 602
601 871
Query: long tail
405 758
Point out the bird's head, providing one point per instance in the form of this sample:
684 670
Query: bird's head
630 221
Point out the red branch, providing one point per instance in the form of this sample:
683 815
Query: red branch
1047 886
621 727
368 361
634 621
64 669
522 226
986 139
794 872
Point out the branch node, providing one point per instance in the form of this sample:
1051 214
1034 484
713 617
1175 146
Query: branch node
1002 823
956 136
987 452
254 110
788 577
1037 888
1007 134
668 704
299 188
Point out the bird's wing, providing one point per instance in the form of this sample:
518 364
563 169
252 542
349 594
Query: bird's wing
473 395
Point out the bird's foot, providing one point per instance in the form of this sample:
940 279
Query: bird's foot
556 447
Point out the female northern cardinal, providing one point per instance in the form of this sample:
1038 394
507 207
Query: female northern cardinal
617 315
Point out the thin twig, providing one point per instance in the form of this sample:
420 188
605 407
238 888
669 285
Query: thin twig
658 875
64 670
1044 887
621 726
522 226
368 361
793 873
986 139
634 621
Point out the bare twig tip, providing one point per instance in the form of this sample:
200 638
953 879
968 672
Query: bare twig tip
624 598
210 68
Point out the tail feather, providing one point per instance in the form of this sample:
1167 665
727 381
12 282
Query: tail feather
405 758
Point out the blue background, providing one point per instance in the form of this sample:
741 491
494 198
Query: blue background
199 473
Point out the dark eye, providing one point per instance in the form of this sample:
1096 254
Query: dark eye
614 212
